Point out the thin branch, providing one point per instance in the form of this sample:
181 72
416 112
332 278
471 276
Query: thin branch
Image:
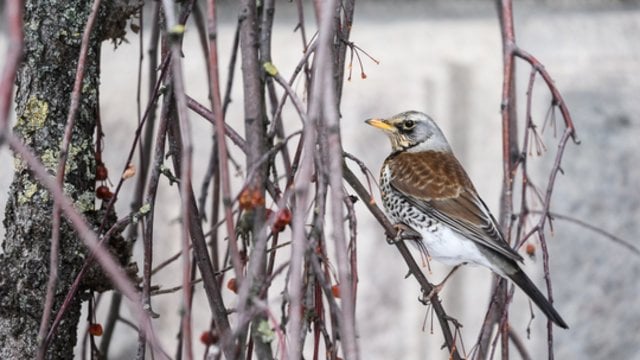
301 190
209 116
174 37
102 255
56 223
76 282
513 158
324 87
557 97
519 345
150 200
616 239
414 268
220 138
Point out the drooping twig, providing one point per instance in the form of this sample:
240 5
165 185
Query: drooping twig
513 159
558 100
519 345
76 282
146 143
209 116
150 199
200 251
60 172
175 31
218 117
113 271
616 239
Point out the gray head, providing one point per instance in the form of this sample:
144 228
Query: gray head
412 131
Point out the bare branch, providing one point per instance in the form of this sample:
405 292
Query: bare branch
115 273
414 268
60 172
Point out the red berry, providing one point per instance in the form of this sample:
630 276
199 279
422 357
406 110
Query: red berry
283 219
335 290
95 329
101 172
103 192
244 200
232 285
530 249
257 199
285 216
208 338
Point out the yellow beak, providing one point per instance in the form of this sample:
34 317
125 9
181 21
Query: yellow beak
381 124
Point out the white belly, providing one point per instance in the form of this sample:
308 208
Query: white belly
450 248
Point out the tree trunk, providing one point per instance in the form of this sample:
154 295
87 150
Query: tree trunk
53 33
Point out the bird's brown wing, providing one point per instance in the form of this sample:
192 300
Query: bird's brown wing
436 183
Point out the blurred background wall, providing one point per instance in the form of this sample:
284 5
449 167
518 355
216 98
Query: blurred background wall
444 58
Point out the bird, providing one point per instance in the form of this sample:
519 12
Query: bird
425 190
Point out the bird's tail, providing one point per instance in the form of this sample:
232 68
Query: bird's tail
523 281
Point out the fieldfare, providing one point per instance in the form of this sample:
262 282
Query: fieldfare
425 188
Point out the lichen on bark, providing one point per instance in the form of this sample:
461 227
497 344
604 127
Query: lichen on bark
52 38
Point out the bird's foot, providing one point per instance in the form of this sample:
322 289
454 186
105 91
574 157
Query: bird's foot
404 232
431 295
437 288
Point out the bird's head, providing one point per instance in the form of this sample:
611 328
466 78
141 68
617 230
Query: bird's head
412 131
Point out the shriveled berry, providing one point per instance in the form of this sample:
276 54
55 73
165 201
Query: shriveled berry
95 329
244 200
232 285
101 172
208 338
282 220
103 192
257 199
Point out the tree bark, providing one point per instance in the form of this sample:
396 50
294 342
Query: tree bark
53 35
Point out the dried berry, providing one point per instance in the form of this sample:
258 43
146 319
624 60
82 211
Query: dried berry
282 220
244 200
257 199
208 338
232 285
101 172
95 329
530 249
103 192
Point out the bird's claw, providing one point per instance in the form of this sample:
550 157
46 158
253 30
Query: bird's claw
435 290
404 232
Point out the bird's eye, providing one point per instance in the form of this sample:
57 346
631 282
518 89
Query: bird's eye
409 124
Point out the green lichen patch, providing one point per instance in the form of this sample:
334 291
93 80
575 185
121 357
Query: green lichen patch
85 202
25 196
18 164
50 159
35 113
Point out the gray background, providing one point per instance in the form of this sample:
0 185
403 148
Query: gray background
444 58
